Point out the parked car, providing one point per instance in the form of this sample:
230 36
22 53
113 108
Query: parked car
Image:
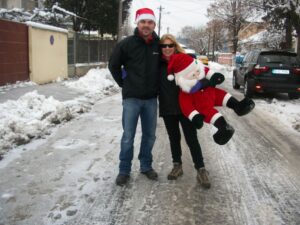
268 71
204 59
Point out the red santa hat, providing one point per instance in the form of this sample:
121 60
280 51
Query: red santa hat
181 64
144 14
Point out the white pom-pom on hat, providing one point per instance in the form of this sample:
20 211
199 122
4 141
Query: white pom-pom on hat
170 77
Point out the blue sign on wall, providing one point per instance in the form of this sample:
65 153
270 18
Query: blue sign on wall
51 40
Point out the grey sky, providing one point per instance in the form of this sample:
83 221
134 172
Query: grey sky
176 13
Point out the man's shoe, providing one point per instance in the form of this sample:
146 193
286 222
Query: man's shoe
176 171
202 176
122 179
150 174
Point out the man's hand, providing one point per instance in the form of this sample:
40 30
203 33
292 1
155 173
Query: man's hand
198 121
216 78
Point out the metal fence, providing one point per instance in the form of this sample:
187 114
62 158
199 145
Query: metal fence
85 48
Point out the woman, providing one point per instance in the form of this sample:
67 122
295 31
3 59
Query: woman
170 111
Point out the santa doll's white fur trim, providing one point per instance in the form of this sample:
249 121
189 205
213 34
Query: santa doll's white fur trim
215 117
185 84
193 67
192 114
226 98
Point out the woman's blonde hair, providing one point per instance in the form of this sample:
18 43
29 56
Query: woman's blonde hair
178 48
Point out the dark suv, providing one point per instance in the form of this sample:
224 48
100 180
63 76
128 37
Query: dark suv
268 71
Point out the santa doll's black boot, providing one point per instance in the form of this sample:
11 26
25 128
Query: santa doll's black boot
242 107
224 133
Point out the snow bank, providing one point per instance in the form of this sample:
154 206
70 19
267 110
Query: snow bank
216 67
28 117
32 115
288 112
95 82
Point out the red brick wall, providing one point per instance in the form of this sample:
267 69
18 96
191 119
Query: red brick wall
14 63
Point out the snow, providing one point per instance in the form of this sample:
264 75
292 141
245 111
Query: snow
56 7
7 196
256 38
92 82
32 115
67 177
37 15
256 16
288 112
90 64
18 84
46 27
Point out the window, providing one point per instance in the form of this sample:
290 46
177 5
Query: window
279 58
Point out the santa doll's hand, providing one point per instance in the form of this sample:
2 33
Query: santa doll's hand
216 78
198 121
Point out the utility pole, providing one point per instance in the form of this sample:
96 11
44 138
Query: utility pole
168 30
120 20
208 44
159 19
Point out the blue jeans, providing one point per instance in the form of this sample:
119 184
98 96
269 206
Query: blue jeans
134 108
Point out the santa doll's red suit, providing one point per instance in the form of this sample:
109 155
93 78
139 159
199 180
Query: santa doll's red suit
198 103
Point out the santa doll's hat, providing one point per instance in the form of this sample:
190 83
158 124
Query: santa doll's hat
144 14
181 64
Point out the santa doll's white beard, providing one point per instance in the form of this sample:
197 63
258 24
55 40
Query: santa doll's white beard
184 84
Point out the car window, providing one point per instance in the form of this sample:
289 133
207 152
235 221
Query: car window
254 57
247 57
279 58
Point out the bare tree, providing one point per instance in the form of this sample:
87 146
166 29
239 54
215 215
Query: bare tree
215 33
127 29
196 38
233 13
287 11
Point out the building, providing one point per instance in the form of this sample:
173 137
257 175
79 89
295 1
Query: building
23 4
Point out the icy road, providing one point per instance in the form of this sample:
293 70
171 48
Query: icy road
69 177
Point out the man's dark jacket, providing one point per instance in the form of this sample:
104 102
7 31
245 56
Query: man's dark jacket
140 61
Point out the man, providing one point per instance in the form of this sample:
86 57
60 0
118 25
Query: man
134 66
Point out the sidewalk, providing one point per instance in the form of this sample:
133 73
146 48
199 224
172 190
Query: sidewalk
57 90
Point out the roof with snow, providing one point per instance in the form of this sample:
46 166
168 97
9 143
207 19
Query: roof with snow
46 27
256 38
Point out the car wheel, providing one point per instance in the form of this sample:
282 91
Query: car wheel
249 88
235 85
294 95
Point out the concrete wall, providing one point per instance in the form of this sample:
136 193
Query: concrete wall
47 55
3 3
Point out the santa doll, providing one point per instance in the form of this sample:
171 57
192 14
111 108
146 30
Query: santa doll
198 102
